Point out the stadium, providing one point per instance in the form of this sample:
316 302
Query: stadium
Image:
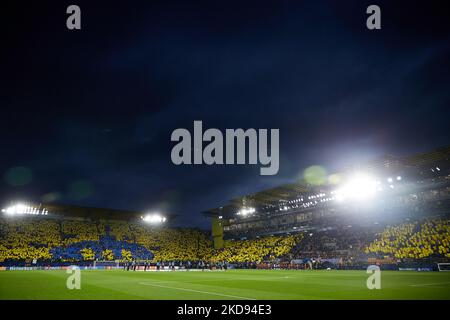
181 158
311 239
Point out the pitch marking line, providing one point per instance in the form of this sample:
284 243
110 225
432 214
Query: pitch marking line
240 279
428 284
197 291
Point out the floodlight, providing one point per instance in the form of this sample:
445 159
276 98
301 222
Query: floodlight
246 211
18 208
358 187
154 218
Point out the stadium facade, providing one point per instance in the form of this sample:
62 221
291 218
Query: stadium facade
399 189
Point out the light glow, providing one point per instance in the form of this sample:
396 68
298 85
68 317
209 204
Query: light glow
246 211
154 218
359 187
23 209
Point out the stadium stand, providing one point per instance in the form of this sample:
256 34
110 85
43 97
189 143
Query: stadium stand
54 240
407 222
256 250
414 240
66 240
84 240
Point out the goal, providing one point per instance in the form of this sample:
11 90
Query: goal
444 266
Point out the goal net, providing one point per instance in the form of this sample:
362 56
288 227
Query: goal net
444 266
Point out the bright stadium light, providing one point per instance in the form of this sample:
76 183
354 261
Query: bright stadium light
154 218
23 209
246 211
358 187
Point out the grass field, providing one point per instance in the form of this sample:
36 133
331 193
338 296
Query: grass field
232 284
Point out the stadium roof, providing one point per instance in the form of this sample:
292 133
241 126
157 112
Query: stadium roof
278 195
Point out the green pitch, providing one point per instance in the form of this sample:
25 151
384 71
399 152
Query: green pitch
231 284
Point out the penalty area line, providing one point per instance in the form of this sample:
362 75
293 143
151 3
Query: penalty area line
196 291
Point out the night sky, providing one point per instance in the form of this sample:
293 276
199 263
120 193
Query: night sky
87 115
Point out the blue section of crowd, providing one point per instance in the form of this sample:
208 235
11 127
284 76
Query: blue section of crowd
72 252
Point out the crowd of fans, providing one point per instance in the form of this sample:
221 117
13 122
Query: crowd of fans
257 250
343 242
166 244
414 240
27 240
47 239
84 240
76 231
